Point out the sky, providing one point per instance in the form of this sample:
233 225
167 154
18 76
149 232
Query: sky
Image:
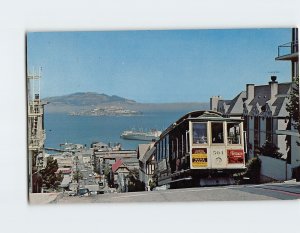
160 66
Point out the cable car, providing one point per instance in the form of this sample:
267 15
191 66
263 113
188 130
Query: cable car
202 148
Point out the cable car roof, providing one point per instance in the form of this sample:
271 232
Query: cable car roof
199 115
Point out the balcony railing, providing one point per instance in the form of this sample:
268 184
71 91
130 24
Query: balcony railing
288 48
35 110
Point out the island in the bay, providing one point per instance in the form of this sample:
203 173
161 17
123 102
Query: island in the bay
107 111
95 104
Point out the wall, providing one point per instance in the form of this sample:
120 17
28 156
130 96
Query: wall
275 168
281 139
262 137
295 160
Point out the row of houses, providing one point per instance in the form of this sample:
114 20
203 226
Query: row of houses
122 167
266 119
263 109
114 163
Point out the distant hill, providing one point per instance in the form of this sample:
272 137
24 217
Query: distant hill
85 101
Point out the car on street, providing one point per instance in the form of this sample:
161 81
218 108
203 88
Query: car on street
71 193
83 192
101 184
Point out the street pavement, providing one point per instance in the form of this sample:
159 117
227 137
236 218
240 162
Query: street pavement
44 198
277 191
272 191
86 170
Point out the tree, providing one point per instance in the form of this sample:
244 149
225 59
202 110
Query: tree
37 181
109 175
49 176
106 171
253 170
77 176
134 184
293 105
152 184
270 149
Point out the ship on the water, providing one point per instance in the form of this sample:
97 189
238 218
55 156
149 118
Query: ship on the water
151 135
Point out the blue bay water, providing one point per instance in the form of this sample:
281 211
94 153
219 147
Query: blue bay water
62 128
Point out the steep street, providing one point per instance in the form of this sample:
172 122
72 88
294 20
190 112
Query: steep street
279 191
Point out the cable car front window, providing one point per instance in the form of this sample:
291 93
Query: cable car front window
217 132
199 133
233 133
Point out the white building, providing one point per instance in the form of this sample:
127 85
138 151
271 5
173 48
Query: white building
263 108
264 112
145 153
290 52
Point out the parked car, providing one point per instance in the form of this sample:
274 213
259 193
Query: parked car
83 192
71 193
101 184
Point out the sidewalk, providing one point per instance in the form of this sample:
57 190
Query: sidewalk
291 182
44 198
291 186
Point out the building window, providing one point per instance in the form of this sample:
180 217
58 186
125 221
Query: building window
217 132
233 133
246 128
269 137
245 123
256 134
162 149
182 144
167 146
200 133
187 142
157 153
179 147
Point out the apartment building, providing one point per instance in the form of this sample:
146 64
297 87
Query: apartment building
35 130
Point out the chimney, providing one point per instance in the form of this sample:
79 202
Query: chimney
214 103
250 91
273 87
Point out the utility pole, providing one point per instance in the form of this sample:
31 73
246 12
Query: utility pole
77 172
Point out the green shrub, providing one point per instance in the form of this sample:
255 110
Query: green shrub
270 149
152 185
253 170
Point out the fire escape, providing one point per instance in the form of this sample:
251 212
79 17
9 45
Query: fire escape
36 133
